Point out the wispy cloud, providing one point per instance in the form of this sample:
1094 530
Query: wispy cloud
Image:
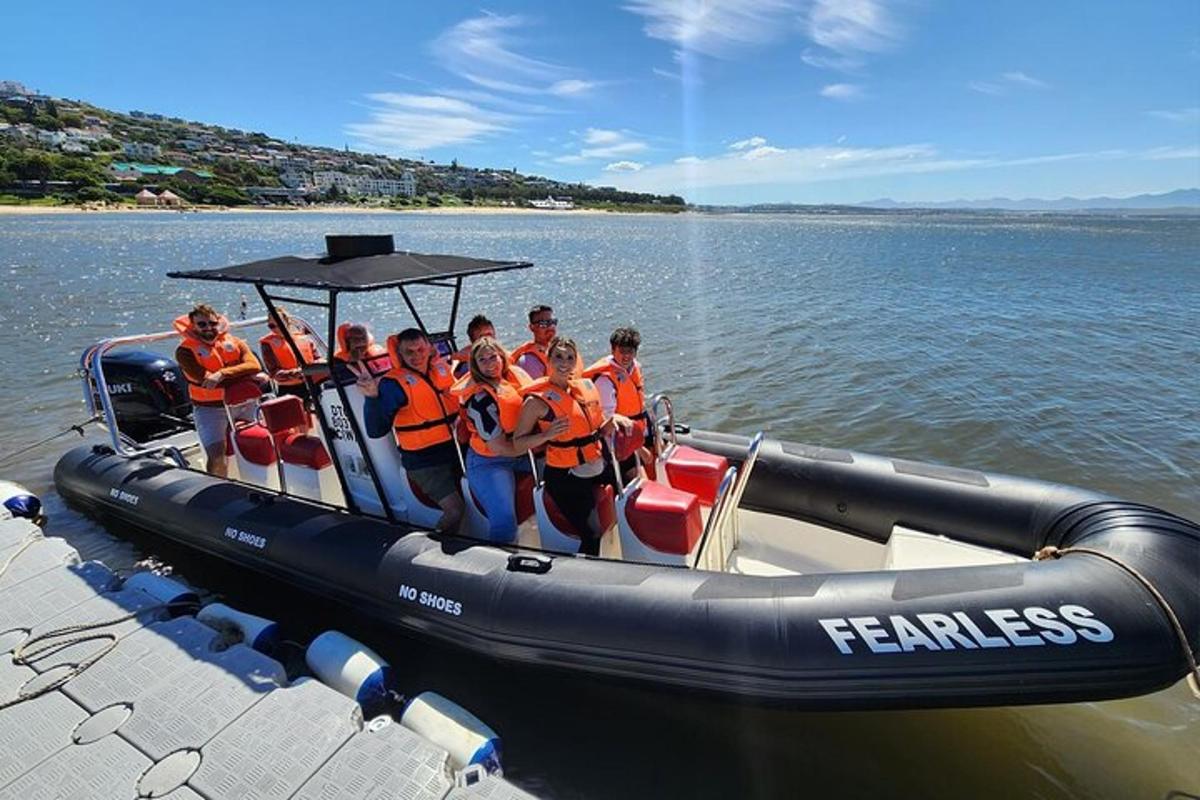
774 166
842 91
1162 153
718 29
1191 114
600 143
507 90
853 26
413 122
743 144
624 166
1006 82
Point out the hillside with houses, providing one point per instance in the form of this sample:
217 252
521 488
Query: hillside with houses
57 151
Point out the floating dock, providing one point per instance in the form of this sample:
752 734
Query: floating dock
166 710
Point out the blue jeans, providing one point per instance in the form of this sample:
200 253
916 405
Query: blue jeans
493 481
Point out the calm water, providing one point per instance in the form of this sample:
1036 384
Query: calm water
1063 348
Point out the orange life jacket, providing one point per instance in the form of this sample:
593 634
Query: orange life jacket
224 351
432 411
508 399
343 352
631 401
530 348
285 358
580 405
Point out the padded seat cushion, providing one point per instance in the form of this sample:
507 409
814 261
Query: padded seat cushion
665 518
605 511
304 451
284 413
242 391
255 445
696 471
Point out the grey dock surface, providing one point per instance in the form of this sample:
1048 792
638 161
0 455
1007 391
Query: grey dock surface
168 712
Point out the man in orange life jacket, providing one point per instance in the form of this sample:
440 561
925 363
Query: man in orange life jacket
279 360
531 356
413 401
211 358
618 379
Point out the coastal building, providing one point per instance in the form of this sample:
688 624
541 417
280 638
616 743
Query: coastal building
364 185
132 171
146 198
141 150
169 198
554 203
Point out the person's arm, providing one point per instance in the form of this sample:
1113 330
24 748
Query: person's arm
484 414
270 365
608 395
381 405
189 365
526 436
245 368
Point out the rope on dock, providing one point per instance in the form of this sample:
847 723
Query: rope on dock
25 545
28 652
1193 679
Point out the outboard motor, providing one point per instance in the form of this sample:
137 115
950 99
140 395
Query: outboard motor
149 394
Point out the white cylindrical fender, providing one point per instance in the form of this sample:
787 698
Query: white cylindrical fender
17 501
353 669
260 633
163 589
450 726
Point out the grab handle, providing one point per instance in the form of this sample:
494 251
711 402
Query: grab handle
529 562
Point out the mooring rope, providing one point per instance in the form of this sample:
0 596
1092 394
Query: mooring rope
1193 679
27 653
25 545
78 428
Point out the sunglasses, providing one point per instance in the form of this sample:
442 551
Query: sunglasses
203 324
545 323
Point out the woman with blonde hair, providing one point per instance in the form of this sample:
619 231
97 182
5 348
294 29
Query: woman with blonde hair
490 397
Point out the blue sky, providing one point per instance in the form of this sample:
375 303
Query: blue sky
729 102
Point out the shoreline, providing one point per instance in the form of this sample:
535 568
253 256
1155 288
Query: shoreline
30 210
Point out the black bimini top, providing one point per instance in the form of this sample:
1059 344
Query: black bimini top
353 273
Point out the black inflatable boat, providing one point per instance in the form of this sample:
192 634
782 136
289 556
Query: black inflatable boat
773 571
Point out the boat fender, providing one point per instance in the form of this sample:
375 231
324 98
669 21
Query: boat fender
353 669
450 726
17 501
260 633
164 590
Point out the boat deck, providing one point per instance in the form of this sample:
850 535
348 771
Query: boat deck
169 713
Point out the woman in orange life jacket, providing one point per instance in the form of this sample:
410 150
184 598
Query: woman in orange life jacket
491 400
563 412
413 402
210 358
280 361
618 378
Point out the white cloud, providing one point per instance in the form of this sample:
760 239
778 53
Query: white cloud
688 160
598 143
753 141
406 123
983 87
624 166
482 51
1024 80
842 91
761 152
852 26
1161 153
718 29
840 63
1178 115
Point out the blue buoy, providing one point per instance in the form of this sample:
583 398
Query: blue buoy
17 501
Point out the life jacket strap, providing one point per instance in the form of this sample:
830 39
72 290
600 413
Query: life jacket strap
421 426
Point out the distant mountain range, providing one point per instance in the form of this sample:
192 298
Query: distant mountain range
1178 199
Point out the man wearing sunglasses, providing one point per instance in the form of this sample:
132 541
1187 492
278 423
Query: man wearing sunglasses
210 359
531 356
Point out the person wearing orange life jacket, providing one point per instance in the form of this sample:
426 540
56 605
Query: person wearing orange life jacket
210 359
618 378
356 343
477 328
491 404
413 402
531 356
279 359
563 412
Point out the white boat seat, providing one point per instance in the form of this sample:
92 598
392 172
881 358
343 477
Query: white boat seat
691 470
657 523
556 533
305 467
913 549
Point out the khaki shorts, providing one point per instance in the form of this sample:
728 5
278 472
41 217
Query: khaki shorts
211 425
437 482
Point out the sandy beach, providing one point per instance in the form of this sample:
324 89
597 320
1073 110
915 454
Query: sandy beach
13 210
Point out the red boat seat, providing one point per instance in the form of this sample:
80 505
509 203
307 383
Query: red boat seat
696 471
283 414
255 445
664 518
605 509
242 391
304 451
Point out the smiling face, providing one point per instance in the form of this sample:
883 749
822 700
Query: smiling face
207 326
357 341
624 356
544 327
489 362
415 353
562 361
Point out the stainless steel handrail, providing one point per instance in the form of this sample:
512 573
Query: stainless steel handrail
95 386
